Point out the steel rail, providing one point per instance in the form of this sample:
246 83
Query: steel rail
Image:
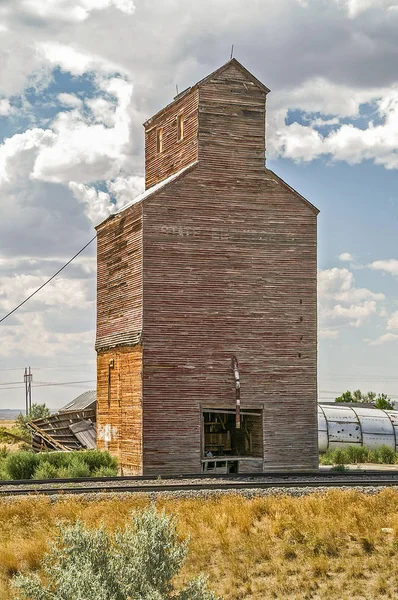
232 476
319 482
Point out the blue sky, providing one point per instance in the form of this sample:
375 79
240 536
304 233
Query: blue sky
80 77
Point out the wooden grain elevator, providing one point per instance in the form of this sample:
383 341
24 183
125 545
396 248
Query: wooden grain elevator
206 302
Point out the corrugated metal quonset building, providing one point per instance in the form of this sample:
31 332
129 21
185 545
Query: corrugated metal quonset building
340 426
207 292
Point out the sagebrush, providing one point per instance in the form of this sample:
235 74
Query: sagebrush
137 561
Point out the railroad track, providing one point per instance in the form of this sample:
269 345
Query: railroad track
187 483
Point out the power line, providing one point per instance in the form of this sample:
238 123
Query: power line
48 281
45 384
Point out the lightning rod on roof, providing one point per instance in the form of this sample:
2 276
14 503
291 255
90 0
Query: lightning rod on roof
232 52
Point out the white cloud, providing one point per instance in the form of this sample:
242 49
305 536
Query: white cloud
328 334
67 293
18 153
387 337
345 142
356 7
97 204
393 321
342 302
388 266
5 107
69 100
31 337
346 257
83 151
355 314
125 189
74 61
67 10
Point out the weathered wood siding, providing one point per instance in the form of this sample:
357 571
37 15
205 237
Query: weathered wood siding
119 406
119 279
176 154
232 124
230 268
221 262
119 325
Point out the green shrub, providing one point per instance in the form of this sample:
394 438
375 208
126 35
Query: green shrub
339 468
45 471
327 457
139 561
78 467
356 454
95 459
56 459
4 476
49 465
21 465
359 454
105 472
339 457
385 455
4 452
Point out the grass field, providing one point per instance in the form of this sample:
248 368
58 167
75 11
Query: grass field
340 545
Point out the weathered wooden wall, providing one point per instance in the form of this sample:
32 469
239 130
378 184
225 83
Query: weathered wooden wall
119 406
176 154
230 268
119 279
119 325
232 125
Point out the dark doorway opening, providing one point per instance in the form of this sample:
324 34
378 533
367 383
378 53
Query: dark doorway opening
222 438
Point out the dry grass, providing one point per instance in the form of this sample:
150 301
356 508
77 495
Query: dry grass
322 547
8 424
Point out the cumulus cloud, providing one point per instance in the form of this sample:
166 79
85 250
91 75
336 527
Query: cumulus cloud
74 148
97 204
32 337
125 189
73 11
74 61
5 107
328 334
70 100
386 266
345 141
342 302
346 257
63 293
356 314
387 337
356 7
393 321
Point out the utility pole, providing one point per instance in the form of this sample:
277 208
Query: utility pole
28 378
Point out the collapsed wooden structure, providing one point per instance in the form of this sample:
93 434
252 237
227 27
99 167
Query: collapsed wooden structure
71 428
206 297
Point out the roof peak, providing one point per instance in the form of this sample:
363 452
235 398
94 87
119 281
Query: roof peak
224 67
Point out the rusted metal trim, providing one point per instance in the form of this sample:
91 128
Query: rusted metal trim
235 368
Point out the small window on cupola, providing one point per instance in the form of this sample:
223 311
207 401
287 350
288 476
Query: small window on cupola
180 127
159 140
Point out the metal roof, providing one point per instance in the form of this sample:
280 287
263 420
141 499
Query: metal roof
82 402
